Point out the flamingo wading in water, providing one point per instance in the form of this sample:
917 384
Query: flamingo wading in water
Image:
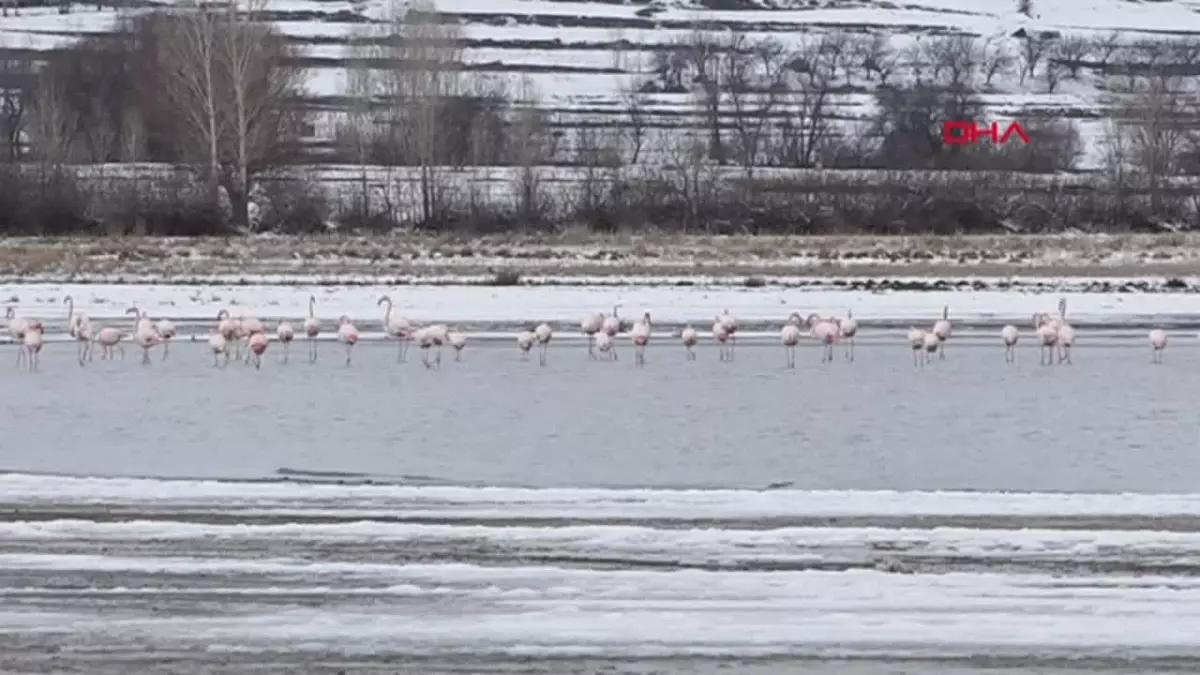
941 330
286 334
641 338
790 337
32 344
143 333
849 328
525 340
689 338
312 328
80 328
257 345
398 327
1009 336
826 332
1158 345
166 330
542 334
591 325
1047 333
348 335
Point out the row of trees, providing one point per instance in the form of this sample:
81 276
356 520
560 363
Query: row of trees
221 96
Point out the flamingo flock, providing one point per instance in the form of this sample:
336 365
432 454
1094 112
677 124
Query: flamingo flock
245 338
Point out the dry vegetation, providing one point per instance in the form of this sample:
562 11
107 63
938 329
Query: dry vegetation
517 259
214 94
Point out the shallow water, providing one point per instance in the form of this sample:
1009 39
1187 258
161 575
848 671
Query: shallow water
1110 422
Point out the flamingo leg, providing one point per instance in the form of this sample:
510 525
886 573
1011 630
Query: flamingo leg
437 357
542 353
145 355
400 351
349 351
457 354
850 349
286 349
166 349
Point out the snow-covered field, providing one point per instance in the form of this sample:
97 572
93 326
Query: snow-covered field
473 305
575 257
581 57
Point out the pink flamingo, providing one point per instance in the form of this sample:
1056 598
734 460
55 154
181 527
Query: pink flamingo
109 340
220 347
17 327
1066 333
932 344
641 338
457 339
312 328
248 327
826 332
941 330
432 337
689 339
525 340
166 330
257 345
723 339
591 325
849 328
80 328
604 344
729 325
542 334
1009 336
286 334
143 333
33 344
613 326
1047 332
1158 343
790 337
347 334
399 328
916 340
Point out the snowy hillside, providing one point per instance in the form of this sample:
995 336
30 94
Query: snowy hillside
585 60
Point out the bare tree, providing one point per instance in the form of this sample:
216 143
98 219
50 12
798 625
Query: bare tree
704 57
1106 47
1072 53
1055 68
360 129
693 177
54 122
755 76
1033 49
421 80
530 147
1025 7
953 60
189 55
16 80
874 56
805 125
997 60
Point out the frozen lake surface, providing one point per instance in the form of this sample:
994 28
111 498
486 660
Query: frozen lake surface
863 518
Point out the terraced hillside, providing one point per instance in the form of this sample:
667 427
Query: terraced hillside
786 85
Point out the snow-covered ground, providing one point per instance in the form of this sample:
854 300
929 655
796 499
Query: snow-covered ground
567 305
595 50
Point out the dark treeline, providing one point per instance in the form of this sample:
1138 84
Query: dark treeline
217 104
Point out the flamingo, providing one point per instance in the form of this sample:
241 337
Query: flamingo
641 338
143 333
32 344
591 325
80 328
612 326
1047 332
166 330
286 334
932 344
458 340
941 330
399 328
526 338
916 340
219 347
849 328
604 344
723 339
542 334
790 337
227 327
689 338
1009 336
826 332
109 339
431 337
1158 342
248 327
729 325
1066 333
17 327
348 335
257 345
312 328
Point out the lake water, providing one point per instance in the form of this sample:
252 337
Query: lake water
1110 422
428 571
